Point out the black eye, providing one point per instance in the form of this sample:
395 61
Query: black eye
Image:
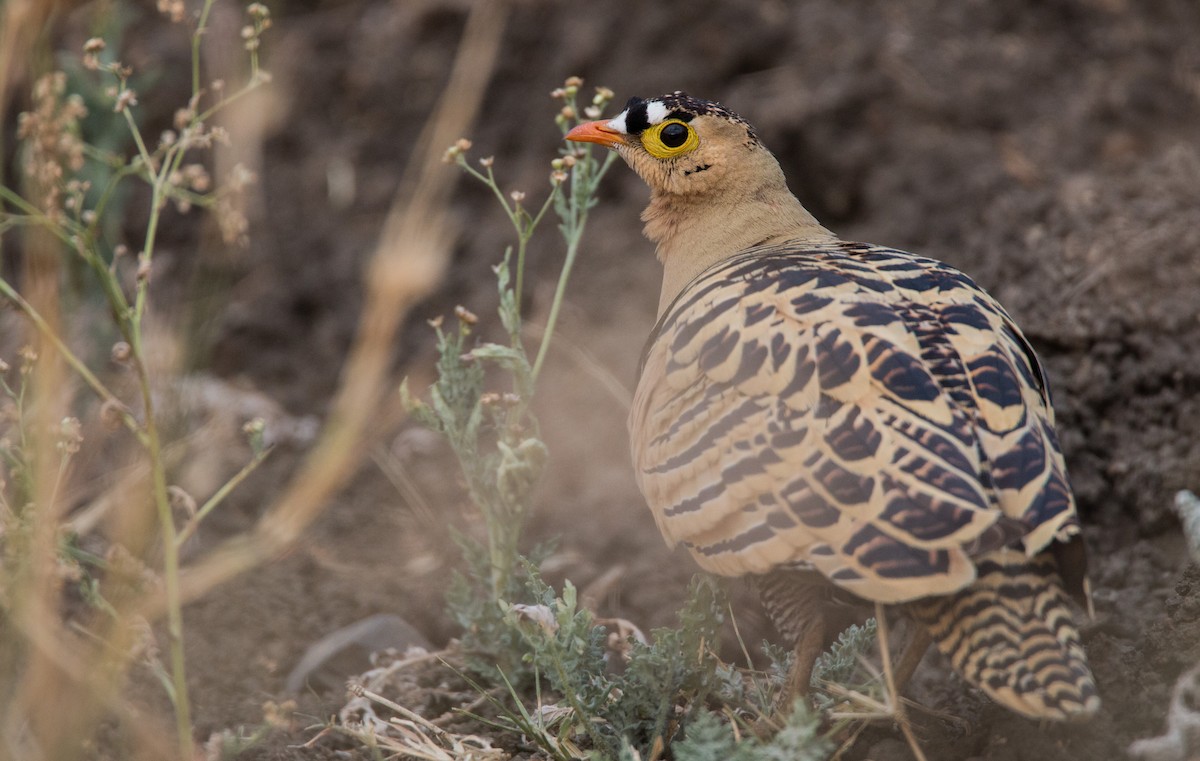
674 135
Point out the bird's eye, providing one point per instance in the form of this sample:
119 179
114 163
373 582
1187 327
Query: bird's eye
673 135
669 139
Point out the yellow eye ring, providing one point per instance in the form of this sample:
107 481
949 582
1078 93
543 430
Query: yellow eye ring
666 140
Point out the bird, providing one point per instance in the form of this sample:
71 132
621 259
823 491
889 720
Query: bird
843 420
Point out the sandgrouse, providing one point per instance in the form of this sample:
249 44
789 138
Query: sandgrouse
835 417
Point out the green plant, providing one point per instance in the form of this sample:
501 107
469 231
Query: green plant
638 706
709 738
842 664
62 214
494 434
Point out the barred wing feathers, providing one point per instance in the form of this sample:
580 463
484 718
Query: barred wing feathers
853 408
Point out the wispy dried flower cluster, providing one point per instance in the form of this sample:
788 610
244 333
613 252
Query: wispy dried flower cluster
460 147
75 192
70 436
91 53
51 131
567 94
601 99
569 89
189 177
235 227
125 98
559 168
568 115
29 358
465 316
260 21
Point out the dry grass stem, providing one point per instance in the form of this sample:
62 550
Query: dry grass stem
406 267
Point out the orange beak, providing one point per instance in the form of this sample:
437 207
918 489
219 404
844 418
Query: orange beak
596 132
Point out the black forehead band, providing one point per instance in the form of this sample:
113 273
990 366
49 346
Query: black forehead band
637 116
679 106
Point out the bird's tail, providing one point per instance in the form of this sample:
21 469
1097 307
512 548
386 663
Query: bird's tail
1011 634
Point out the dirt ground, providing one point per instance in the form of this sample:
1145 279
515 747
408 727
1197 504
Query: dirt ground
1048 149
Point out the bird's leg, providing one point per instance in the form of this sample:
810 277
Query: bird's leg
807 649
795 602
911 657
889 676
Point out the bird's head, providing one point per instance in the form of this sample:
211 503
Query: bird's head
680 145
715 189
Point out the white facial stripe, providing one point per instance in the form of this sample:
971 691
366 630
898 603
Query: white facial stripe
618 123
655 111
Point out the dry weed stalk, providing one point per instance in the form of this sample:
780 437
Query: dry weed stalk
63 668
407 265
83 662
405 268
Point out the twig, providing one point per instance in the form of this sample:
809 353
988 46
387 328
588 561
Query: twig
69 356
216 499
894 694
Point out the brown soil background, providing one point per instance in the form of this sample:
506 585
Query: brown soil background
1048 149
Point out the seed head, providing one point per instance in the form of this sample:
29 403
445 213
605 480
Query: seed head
239 177
461 146
91 53
70 435
465 315
29 358
125 99
254 427
196 177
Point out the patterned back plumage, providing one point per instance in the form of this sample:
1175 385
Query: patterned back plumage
876 416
